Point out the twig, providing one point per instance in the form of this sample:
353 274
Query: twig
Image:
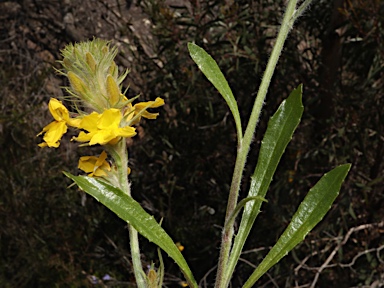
204 279
333 253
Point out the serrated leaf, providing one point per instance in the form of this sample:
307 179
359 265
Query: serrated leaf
211 70
131 211
279 133
310 212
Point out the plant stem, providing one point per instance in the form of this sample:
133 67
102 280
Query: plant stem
226 240
136 260
120 155
300 10
224 271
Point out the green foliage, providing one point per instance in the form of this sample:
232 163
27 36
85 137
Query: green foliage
279 133
310 212
50 236
210 69
188 153
131 211
225 31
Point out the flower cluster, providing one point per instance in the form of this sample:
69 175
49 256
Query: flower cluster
104 115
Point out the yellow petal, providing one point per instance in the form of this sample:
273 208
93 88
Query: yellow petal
58 110
98 173
126 132
129 112
148 115
150 104
74 122
179 246
103 128
89 122
84 137
105 166
114 141
102 137
101 159
87 163
53 133
109 119
95 166
139 107
158 102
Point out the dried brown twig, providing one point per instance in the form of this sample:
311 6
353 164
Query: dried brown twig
340 244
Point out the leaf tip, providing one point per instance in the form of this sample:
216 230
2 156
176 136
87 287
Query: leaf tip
300 87
67 174
191 47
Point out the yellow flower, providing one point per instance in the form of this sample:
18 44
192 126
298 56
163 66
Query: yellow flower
56 129
103 128
95 166
134 113
179 246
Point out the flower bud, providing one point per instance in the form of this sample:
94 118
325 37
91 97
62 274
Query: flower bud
91 61
93 75
113 90
77 84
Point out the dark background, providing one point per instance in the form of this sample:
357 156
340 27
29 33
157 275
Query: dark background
52 236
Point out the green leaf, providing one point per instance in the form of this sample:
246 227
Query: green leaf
130 211
279 132
211 70
310 212
240 205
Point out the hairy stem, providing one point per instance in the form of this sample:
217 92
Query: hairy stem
120 155
224 271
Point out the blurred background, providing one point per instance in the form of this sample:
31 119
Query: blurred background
54 236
